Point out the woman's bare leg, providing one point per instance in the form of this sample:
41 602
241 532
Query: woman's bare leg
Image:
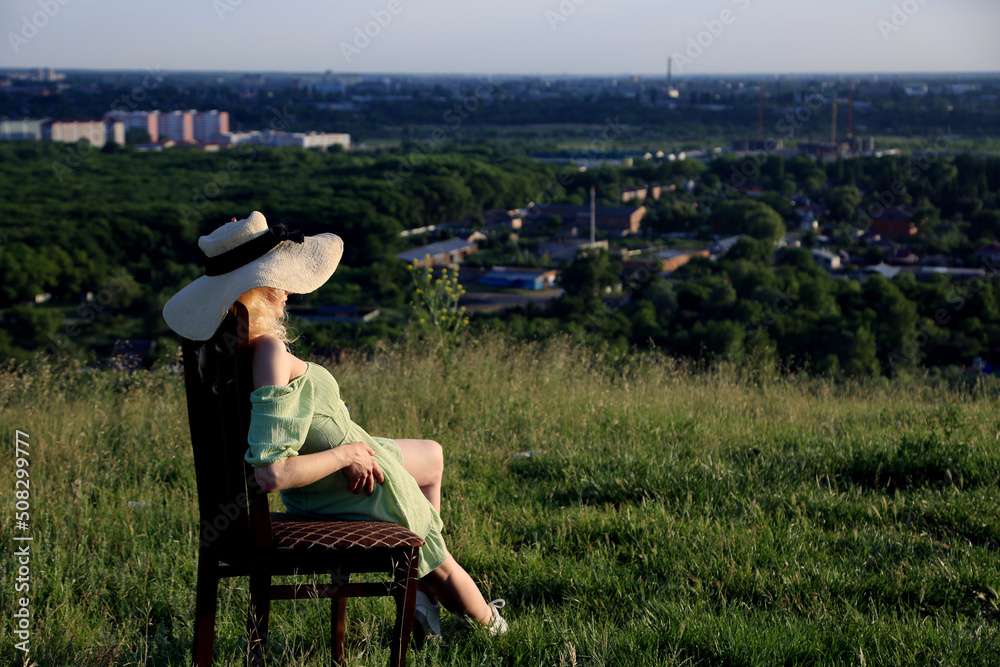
458 592
424 459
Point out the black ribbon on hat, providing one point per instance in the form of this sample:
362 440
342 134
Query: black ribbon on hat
253 249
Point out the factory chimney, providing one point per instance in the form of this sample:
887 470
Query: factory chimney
760 114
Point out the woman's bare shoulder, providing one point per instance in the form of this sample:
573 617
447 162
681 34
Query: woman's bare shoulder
273 365
267 345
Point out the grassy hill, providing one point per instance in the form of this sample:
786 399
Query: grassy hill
663 516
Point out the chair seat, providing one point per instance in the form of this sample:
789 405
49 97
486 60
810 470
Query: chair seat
292 531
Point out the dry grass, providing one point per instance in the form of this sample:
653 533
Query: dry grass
666 515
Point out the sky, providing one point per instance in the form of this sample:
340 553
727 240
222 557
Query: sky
495 37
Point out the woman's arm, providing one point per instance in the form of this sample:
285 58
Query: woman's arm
274 365
356 459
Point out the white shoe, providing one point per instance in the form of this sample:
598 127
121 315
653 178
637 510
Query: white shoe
498 626
427 617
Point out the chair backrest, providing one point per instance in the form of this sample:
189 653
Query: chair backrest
234 517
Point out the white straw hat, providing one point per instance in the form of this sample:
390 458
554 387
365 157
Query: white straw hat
243 255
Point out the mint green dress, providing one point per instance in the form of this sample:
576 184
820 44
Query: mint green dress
308 416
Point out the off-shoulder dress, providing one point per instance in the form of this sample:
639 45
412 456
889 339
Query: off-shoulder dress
307 415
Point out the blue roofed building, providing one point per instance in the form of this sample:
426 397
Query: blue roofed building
519 278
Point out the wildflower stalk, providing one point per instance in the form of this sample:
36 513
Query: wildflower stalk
436 315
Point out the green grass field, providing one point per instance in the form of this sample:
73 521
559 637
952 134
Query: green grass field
665 516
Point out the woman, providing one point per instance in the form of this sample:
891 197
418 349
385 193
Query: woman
302 440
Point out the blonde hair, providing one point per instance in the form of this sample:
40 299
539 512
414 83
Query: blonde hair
260 308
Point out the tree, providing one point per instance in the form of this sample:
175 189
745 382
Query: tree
746 216
757 252
765 224
893 320
985 225
593 273
842 202
137 135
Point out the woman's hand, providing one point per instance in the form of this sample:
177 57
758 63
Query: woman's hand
361 471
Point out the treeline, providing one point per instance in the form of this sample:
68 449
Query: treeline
780 309
111 234
73 221
485 104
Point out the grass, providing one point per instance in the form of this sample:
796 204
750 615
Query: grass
664 515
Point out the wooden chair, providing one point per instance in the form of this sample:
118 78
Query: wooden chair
239 536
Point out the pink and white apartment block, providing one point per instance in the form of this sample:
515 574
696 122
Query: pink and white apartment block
180 126
143 120
96 132
209 126
177 126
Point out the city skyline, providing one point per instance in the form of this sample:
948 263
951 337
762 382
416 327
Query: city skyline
520 37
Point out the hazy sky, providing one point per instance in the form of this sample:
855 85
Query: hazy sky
505 36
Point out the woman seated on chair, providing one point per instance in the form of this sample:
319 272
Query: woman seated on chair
303 442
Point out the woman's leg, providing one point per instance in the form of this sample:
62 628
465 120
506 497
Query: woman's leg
424 459
458 592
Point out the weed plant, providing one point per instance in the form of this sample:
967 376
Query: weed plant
631 511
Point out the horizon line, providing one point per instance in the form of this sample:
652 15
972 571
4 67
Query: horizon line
688 75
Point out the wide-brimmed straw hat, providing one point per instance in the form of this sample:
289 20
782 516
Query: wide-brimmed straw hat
245 254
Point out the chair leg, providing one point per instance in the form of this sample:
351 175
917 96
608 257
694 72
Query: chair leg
338 628
204 612
405 584
257 619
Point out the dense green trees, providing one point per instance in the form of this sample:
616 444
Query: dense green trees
114 233
794 312
111 235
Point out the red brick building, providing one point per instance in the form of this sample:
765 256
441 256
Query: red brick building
894 222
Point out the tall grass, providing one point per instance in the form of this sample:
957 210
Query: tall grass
630 511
